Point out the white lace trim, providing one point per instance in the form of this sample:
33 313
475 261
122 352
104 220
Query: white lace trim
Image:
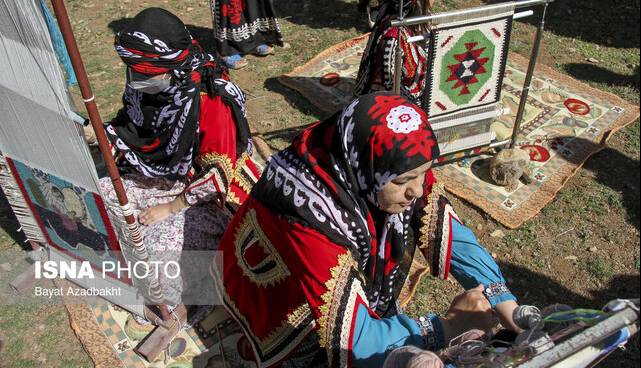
247 30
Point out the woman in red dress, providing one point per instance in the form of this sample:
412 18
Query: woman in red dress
315 261
183 141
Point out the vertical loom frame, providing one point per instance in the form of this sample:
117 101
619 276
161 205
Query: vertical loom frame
398 61
103 144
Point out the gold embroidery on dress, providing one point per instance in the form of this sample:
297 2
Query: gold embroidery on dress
300 316
269 271
430 217
331 301
240 171
232 198
221 160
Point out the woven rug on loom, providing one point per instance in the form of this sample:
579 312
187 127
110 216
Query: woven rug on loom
109 334
565 123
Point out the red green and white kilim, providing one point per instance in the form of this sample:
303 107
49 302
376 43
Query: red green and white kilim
467 60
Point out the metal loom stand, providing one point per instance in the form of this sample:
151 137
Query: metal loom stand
435 18
398 57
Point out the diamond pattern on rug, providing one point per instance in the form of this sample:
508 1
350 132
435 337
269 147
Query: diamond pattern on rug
469 72
466 64
564 123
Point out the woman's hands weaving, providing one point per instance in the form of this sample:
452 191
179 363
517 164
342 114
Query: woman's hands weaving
468 311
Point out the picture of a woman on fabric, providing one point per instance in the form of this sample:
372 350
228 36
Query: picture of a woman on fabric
376 72
315 259
183 137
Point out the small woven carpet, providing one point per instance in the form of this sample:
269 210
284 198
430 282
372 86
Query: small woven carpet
565 123
109 334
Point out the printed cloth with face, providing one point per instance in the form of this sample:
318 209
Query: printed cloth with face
376 71
188 137
312 267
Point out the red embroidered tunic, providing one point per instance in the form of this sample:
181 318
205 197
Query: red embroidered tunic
223 177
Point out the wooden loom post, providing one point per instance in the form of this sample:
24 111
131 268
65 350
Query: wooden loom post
103 143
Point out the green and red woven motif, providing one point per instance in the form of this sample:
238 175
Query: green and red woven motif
467 67
468 63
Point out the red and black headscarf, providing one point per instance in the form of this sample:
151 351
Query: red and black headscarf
158 133
329 177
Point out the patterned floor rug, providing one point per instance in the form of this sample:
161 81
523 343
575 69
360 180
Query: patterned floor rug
565 123
110 334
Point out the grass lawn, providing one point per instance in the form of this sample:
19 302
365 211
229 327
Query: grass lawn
582 249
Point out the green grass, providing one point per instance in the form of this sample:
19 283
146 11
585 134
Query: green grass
524 237
597 199
631 136
597 268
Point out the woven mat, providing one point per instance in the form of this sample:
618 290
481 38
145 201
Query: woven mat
109 334
565 123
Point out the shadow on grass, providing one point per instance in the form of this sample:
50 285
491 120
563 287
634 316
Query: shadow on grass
297 101
537 289
612 23
10 224
599 74
336 14
614 170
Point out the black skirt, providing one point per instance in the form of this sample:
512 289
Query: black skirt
241 25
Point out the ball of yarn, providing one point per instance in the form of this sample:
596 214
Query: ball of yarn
412 357
526 316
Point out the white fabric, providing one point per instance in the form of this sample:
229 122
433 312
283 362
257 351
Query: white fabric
35 127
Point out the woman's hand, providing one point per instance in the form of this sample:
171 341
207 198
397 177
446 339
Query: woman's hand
469 310
505 311
160 212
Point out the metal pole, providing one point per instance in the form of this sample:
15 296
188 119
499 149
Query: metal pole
398 55
528 77
470 12
97 124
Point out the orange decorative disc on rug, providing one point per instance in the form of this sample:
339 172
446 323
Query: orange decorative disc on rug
577 107
537 153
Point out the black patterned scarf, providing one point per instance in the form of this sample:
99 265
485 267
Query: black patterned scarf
158 133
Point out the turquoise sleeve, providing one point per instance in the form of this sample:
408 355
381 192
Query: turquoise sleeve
375 338
472 265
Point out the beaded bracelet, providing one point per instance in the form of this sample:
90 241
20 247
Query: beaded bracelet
432 331
495 289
